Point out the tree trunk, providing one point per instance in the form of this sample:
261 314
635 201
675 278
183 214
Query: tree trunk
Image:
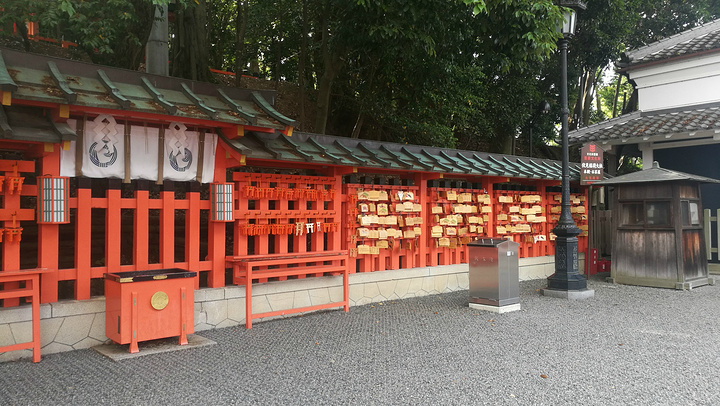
577 110
190 47
632 103
358 125
301 63
587 103
617 95
278 48
502 142
361 113
240 30
323 102
331 65
22 30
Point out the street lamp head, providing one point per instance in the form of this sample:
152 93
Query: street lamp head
567 27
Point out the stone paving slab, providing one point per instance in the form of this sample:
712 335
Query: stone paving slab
119 352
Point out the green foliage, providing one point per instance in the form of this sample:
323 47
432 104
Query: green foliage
464 73
607 96
629 164
608 28
113 33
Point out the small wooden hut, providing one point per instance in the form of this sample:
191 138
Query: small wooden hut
658 229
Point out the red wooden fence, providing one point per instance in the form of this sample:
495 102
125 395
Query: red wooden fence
273 214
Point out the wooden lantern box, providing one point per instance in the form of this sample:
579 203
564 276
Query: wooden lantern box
658 239
148 305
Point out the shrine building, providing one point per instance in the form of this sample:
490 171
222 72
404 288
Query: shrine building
105 171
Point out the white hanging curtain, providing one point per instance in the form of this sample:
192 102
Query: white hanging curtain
210 147
67 156
181 153
103 149
144 152
104 152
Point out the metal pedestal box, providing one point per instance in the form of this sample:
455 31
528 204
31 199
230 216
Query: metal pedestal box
493 272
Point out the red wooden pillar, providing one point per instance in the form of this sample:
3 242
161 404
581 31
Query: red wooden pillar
216 251
583 243
11 250
11 203
336 241
141 227
263 205
315 237
316 206
167 225
113 226
299 241
83 239
420 259
216 229
48 238
240 239
192 228
489 225
539 247
346 222
281 240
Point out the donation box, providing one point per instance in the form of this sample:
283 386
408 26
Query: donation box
493 272
148 305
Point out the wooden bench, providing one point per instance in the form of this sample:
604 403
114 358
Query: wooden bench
249 268
31 279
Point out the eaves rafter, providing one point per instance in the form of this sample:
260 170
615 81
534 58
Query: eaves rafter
325 151
115 93
157 96
59 79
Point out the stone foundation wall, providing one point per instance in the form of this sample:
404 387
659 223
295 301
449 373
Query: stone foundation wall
73 325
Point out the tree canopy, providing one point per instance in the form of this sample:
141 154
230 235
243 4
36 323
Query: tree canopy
453 73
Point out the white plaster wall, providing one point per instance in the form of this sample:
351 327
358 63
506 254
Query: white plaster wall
678 84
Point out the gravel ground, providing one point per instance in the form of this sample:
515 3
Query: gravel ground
626 346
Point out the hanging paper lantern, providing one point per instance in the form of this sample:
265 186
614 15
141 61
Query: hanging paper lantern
53 200
221 205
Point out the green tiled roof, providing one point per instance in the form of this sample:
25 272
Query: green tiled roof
35 78
52 81
330 150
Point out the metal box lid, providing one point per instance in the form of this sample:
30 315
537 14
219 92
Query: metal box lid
155 274
489 242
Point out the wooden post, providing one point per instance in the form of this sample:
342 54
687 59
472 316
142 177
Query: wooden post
83 239
141 222
336 242
281 241
167 225
48 239
241 204
216 230
420 258
113 226
261 241
192 228
11 250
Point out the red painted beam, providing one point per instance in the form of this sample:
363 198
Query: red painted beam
144 116
21 215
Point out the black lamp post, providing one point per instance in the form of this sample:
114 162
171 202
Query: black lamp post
566 281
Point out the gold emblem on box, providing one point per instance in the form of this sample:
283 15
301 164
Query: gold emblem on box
159 300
